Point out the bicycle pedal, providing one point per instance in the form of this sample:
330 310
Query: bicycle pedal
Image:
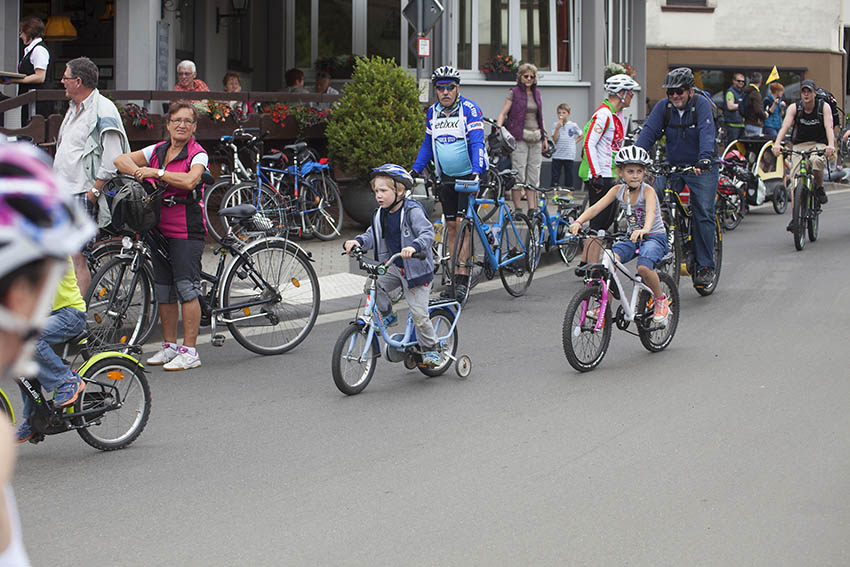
217 340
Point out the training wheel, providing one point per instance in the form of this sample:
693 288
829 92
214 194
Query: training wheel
463 366
409 361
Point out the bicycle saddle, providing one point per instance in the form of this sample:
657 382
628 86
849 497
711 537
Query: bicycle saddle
275 157
296 147
243 211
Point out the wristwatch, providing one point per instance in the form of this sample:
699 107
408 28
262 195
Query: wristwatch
160 173
96 192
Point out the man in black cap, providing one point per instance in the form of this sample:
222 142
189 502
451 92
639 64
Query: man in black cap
811 119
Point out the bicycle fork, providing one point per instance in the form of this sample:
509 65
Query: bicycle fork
603 305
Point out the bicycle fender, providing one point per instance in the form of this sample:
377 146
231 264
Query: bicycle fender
291 246
104 355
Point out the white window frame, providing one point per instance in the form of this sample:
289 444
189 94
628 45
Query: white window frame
514 41
622 32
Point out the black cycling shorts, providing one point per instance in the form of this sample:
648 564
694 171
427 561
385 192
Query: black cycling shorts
453 203
606 218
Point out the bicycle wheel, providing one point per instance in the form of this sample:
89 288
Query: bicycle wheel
674 242
655 337
322 206
442 321
799 215
108 382
584 347
438 249
535 241
6 407
491 188
101 253
780 198
718 263
814 214
517 255
269 203
351 373
275 272
567 246
120 305
213 200
464 260
729 211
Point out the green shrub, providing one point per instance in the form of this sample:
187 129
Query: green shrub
378 120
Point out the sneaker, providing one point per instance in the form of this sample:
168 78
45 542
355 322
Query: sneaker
390 319
661 309
704 276
820 193
792 226
24 432
165 355
67 393
184 360
431 359
447 293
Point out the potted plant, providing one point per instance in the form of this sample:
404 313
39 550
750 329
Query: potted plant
378 120
619 68
500 68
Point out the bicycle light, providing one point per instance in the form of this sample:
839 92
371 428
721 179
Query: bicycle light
126 242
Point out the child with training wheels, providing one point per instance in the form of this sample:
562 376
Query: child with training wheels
401 225
645 228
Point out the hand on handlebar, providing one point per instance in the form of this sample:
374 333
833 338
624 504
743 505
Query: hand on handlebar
575 226
348 245
829 150
408 252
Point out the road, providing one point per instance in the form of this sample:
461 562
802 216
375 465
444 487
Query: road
729 448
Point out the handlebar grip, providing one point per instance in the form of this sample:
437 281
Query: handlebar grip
421 255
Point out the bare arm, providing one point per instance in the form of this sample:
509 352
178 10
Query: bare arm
36 78
786 124
597 207
504 112
130 163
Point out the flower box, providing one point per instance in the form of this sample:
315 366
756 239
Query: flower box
501 76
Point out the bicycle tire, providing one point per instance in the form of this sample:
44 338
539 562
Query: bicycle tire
212 203
465 234
813 222
350 374
121 308
442 320
536 240
438 249
567 250
6 407
515 242
674 242
325 216
658 340
575 334
114 428
101 253
718 263
491 188
270 205
728 209
799 214
780 198
285 323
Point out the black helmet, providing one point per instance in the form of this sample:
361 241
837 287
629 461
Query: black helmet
679 77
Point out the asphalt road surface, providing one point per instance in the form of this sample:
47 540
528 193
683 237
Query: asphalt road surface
729 448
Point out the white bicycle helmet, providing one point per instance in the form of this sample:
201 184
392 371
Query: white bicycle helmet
445 73
620 83
633 154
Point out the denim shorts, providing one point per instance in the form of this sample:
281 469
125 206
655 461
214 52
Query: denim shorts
652 249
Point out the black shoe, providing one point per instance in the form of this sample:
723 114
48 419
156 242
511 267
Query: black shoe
821 195
792 226
447 293
704 276
581 269
460 292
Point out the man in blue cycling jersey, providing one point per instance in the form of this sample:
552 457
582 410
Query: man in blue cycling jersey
689 124
454 140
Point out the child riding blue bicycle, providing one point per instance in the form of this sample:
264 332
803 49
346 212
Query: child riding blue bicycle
647 237
400 225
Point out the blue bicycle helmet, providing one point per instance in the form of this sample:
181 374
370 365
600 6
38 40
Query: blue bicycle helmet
395 172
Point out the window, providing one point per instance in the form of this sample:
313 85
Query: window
618 31
539 31
303 51
383 29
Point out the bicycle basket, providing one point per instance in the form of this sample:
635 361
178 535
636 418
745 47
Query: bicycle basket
135 205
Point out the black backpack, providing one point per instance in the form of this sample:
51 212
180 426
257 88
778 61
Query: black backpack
715 112
135 205
822 96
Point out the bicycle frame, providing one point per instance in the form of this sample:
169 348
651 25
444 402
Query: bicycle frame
550 222
494 252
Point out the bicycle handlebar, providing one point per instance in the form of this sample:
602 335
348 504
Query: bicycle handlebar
669 169
378 268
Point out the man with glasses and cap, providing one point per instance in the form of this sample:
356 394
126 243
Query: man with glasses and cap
811 119
454 140
732 111
689 124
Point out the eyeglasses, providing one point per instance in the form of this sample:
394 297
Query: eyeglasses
529 76
739 80
182 121
679 91
183 73
66 78
445 88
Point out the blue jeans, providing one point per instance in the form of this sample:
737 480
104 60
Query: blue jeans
63 324
733 133
752 131
652 249
703 191
770 131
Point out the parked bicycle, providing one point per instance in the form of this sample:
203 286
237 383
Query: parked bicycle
731 202
807 209
586 332
506 245
109 414
679 221
358 347
267 296
552 231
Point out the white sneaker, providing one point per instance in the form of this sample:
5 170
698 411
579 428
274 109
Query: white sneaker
183 361
166 354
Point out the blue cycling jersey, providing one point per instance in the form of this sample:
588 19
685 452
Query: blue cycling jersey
454 139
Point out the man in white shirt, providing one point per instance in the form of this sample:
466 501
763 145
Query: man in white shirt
91 137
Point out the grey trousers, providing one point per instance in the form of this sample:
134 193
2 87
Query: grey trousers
417 301
526 159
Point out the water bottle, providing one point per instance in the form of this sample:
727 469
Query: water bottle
495 232
489 232
438 230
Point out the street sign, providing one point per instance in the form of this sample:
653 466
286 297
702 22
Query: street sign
431 14
424 47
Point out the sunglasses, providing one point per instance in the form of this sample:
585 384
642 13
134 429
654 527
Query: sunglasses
446 88
528 76
679 91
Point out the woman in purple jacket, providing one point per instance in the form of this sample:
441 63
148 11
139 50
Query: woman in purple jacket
523 112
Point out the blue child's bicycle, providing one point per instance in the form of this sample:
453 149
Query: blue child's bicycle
553 230
358 347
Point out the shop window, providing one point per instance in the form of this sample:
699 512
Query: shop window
535 33
383 29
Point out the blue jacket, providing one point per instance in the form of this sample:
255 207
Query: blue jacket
416 231
472 116
685 146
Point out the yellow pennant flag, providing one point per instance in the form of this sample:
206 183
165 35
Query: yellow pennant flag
774 76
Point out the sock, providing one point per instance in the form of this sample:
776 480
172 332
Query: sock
172 346
191 350
462 279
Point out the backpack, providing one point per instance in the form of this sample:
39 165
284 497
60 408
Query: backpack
715 111
135 206
821 96
745 109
